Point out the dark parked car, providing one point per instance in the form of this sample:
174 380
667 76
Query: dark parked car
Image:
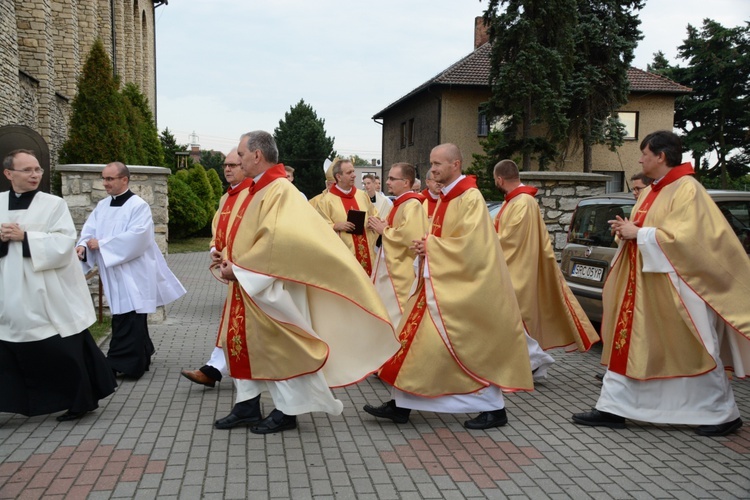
587 255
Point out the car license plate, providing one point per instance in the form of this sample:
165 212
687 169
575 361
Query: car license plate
587 272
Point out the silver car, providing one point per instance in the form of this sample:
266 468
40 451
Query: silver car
591 246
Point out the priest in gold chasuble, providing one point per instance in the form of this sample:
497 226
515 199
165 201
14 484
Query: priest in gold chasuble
394 271
335 205
675 314
216 366
551 313
295 293
462 337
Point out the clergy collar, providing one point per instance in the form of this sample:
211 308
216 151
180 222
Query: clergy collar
345 192
21 201
404 193
120 199
447 189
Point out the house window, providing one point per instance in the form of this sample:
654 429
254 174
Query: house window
615 182
410 132
403 135
483 127
630 120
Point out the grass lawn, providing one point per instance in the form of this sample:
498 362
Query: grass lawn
189 245
101 330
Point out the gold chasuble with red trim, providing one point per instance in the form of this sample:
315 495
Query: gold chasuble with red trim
462 329
551 313
393 275
276 233
646 329
335 205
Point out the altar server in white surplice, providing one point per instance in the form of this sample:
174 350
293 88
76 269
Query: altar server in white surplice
118 237
48 360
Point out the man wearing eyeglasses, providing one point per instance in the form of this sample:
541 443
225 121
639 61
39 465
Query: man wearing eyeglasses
118 237
639 182
394 274
216 367
48 360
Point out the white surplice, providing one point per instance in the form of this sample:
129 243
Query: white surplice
134 273
701 400
46 294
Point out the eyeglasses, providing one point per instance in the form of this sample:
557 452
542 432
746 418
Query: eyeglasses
395 178
638 189
28 171
232 165
110 179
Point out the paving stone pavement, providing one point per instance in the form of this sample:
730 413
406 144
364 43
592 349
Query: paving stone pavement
154 438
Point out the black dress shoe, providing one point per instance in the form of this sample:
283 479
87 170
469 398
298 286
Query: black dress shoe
599 376
719 430
487 420
390 411
243 413
596 418
276 421
233 420
69 415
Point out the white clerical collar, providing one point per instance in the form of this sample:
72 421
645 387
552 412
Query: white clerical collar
232 186
402 194
433 196
447 189
345 192
115 196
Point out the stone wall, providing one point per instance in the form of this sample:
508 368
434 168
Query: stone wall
43 46
559 193
82 189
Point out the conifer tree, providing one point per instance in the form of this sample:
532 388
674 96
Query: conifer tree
98 132
303 144
144 133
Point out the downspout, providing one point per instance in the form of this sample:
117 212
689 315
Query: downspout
114 37
382 146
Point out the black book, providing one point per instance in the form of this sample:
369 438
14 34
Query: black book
357 217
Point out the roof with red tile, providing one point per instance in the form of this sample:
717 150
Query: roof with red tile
474 71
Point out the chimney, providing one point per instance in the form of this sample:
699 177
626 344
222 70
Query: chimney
481 32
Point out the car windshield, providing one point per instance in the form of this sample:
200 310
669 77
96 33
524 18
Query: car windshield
737 214
589 225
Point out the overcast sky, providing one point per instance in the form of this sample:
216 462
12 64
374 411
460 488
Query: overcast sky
225 67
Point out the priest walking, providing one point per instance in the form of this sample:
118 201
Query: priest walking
48 360
118 237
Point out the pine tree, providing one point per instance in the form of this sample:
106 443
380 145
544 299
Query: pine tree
303 144
98 132
531 60
144 133
606 35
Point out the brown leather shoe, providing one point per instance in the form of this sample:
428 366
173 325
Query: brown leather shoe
198 377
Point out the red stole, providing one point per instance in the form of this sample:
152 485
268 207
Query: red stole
237 349
468 182
361 246
518 191
431 202
226 211
618 361
398 201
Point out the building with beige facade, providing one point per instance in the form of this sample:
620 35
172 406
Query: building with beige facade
449 108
